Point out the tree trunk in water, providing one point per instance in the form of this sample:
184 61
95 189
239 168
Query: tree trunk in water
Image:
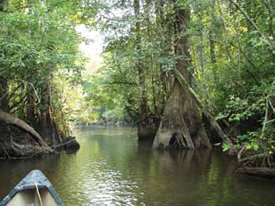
181 125
45 111
145 130
47 126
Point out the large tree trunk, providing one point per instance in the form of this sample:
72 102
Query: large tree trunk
181 124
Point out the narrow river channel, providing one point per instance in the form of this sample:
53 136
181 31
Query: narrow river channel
111 168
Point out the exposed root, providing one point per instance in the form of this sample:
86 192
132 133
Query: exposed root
254 157
8 118
19 145
5 151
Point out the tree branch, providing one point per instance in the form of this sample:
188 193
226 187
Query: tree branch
249 19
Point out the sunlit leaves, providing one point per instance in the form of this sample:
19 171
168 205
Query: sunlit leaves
38 43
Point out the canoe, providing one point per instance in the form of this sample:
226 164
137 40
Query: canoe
33 190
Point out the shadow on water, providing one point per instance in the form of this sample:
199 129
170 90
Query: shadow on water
113 168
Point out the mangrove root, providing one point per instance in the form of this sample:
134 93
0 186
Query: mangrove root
6 117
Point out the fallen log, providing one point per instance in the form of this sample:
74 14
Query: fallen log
71 144
258 172
68 143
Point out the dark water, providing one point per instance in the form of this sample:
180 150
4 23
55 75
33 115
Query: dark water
111 168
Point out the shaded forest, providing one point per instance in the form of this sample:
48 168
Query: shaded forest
190 74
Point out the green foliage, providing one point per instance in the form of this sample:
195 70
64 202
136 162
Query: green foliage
105 95
257 108
231 58
36 39
236 65
237 110
39 49
225 147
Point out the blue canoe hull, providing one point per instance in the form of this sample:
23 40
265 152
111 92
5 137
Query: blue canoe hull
34 181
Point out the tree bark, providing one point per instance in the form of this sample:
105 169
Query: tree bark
4 99
205 112
47 126
181 123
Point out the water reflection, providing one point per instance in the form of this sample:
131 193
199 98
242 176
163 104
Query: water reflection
112 168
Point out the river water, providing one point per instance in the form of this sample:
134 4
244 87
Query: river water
111 168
